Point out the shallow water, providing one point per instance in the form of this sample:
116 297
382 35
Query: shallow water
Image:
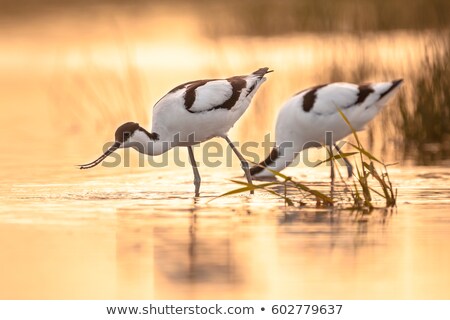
136 232
143 236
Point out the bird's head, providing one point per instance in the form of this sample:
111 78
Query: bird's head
129 134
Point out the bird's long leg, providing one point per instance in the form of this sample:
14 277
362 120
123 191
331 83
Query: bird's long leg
197 179
330 151
330 148
347 163
244 163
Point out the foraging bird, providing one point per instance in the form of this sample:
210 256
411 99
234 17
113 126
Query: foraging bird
305 119
189 114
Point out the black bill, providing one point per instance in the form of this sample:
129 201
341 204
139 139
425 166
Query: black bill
92 164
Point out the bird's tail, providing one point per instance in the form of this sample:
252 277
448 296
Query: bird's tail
386 94
261 72
255 80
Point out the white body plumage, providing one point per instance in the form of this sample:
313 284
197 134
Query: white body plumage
304 120
200 110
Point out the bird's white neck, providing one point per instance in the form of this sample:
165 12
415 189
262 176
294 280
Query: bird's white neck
279 158
144 144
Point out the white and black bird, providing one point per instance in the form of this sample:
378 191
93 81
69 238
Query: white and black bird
304 120
189 114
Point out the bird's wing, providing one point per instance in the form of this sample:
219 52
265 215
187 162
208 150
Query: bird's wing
326 99
208 95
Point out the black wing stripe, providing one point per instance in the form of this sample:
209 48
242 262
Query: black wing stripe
189 96
237 84
363 92
394 85
310 97
273 156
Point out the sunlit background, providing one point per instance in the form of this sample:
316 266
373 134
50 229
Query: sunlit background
72 71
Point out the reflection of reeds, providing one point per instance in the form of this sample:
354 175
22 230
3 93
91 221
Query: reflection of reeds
425 124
